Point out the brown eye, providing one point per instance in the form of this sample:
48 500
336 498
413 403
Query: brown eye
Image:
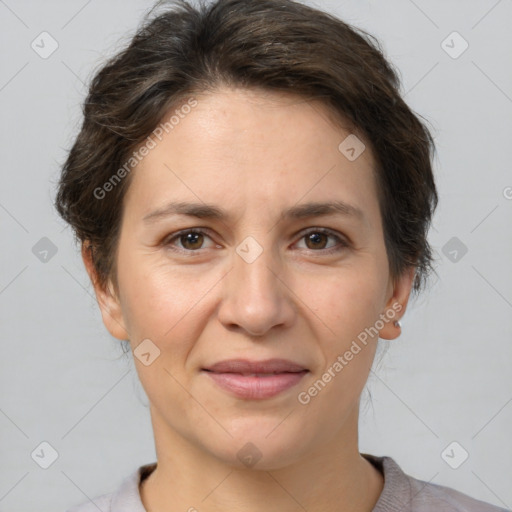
192 240
316 240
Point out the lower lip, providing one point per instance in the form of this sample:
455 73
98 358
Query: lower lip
254 387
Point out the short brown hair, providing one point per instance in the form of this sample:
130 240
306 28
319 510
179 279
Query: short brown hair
277 45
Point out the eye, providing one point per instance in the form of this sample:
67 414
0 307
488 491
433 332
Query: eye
317 238
190 239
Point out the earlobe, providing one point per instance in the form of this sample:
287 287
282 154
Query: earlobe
397 304
108 302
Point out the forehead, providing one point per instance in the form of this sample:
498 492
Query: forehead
236 146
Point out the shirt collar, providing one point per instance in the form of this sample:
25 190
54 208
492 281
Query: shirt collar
397 487
396 483
127 497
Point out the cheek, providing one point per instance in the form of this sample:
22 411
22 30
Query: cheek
161 305
347 300
348 305
168 302
162 302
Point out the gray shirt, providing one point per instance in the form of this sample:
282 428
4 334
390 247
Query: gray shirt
401 493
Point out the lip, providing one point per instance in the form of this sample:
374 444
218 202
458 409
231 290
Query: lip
255 380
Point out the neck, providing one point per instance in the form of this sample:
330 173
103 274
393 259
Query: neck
334 477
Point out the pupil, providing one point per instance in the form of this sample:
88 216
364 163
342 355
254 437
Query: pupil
191 239
315 237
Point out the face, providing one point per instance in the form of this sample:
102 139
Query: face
260 274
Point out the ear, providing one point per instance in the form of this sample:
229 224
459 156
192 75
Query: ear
108 302
397 303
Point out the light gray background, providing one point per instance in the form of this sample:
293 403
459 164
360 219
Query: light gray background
447 378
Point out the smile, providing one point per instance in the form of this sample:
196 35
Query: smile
253 380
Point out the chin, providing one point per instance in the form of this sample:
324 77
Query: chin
263 444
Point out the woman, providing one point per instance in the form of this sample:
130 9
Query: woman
253 197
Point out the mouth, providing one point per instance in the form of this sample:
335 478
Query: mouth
255 380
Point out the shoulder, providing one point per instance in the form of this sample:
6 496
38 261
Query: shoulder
125 499
404 492
100 503
428 496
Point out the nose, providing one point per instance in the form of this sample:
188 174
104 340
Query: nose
256 297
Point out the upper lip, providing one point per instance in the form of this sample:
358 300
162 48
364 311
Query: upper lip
245 366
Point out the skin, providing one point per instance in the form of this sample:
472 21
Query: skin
254 153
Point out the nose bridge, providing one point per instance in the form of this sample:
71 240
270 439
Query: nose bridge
254 265
255 299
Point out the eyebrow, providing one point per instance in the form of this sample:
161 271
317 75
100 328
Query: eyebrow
209 211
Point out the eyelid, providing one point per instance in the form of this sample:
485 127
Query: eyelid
343 242
178 234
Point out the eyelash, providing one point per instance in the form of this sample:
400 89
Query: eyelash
342 243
